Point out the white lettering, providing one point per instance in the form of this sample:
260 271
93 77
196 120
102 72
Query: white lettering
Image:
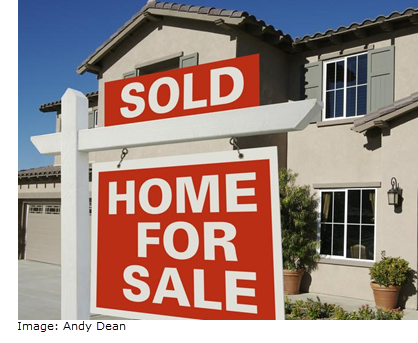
129 197
211 241
185 185
132 99
174 95
165 200
233 192
189 103
144 240
215 85
233 291
177 293
193 240
199 292
141 285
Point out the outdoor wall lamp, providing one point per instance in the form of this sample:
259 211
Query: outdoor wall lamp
395 193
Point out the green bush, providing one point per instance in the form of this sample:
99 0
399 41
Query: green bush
316 310
390 271
299 223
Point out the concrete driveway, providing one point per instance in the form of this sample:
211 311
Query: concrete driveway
40 292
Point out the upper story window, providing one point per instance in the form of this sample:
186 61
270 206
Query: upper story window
174 61
345 87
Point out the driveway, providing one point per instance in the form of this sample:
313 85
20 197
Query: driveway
40 292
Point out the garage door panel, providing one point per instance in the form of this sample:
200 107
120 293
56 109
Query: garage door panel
43 236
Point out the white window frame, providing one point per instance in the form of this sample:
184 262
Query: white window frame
96 118
324 87
345 190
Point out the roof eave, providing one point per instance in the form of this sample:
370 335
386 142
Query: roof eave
382 121
89 65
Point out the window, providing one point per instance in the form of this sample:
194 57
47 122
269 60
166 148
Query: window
36 209
96 117
52 209
347 227
345 87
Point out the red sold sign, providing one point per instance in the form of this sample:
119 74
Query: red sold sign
193 236
212 87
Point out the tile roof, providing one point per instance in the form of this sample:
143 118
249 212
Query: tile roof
40 172
194 9
54 106
410 14
386 113
239 18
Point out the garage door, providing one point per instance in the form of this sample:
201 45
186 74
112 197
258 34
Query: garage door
43 233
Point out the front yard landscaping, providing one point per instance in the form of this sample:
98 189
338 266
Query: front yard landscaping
316 310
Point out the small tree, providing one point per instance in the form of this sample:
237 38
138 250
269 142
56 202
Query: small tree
299 217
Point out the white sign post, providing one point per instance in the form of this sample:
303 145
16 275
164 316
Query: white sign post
76 141
75 218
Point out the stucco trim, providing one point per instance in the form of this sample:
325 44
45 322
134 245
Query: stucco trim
372 184
347 263
160 60
346 52
345 121
378 119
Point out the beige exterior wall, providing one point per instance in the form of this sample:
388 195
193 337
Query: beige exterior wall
335 154
406 63
350 161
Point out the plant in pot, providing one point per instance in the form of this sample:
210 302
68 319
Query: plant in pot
298 210
388 276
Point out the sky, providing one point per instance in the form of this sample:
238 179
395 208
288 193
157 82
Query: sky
55 36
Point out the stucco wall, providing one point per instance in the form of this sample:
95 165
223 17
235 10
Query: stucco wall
406 63
336 154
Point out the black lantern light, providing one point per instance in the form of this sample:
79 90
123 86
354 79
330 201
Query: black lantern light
394 193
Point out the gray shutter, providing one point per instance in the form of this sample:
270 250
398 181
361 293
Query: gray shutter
189 60
312 88
91 119
380 80
129 74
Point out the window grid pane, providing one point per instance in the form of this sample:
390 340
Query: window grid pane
346 84
356 234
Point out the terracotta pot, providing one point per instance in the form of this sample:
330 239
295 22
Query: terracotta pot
292 279
385 297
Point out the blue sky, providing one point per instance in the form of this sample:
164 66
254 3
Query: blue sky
55 36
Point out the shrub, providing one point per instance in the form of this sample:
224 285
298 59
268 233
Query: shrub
314 310
390 271
299 223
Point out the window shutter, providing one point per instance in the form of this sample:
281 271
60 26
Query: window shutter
380 70
313 84
91 120
189 60
129 74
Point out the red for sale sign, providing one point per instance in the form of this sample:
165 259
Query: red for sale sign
211 87
194 236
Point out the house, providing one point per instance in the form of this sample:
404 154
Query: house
367 77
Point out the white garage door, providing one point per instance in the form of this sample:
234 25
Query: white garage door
43 233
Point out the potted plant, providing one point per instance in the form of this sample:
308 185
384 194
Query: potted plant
298 209
388 276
